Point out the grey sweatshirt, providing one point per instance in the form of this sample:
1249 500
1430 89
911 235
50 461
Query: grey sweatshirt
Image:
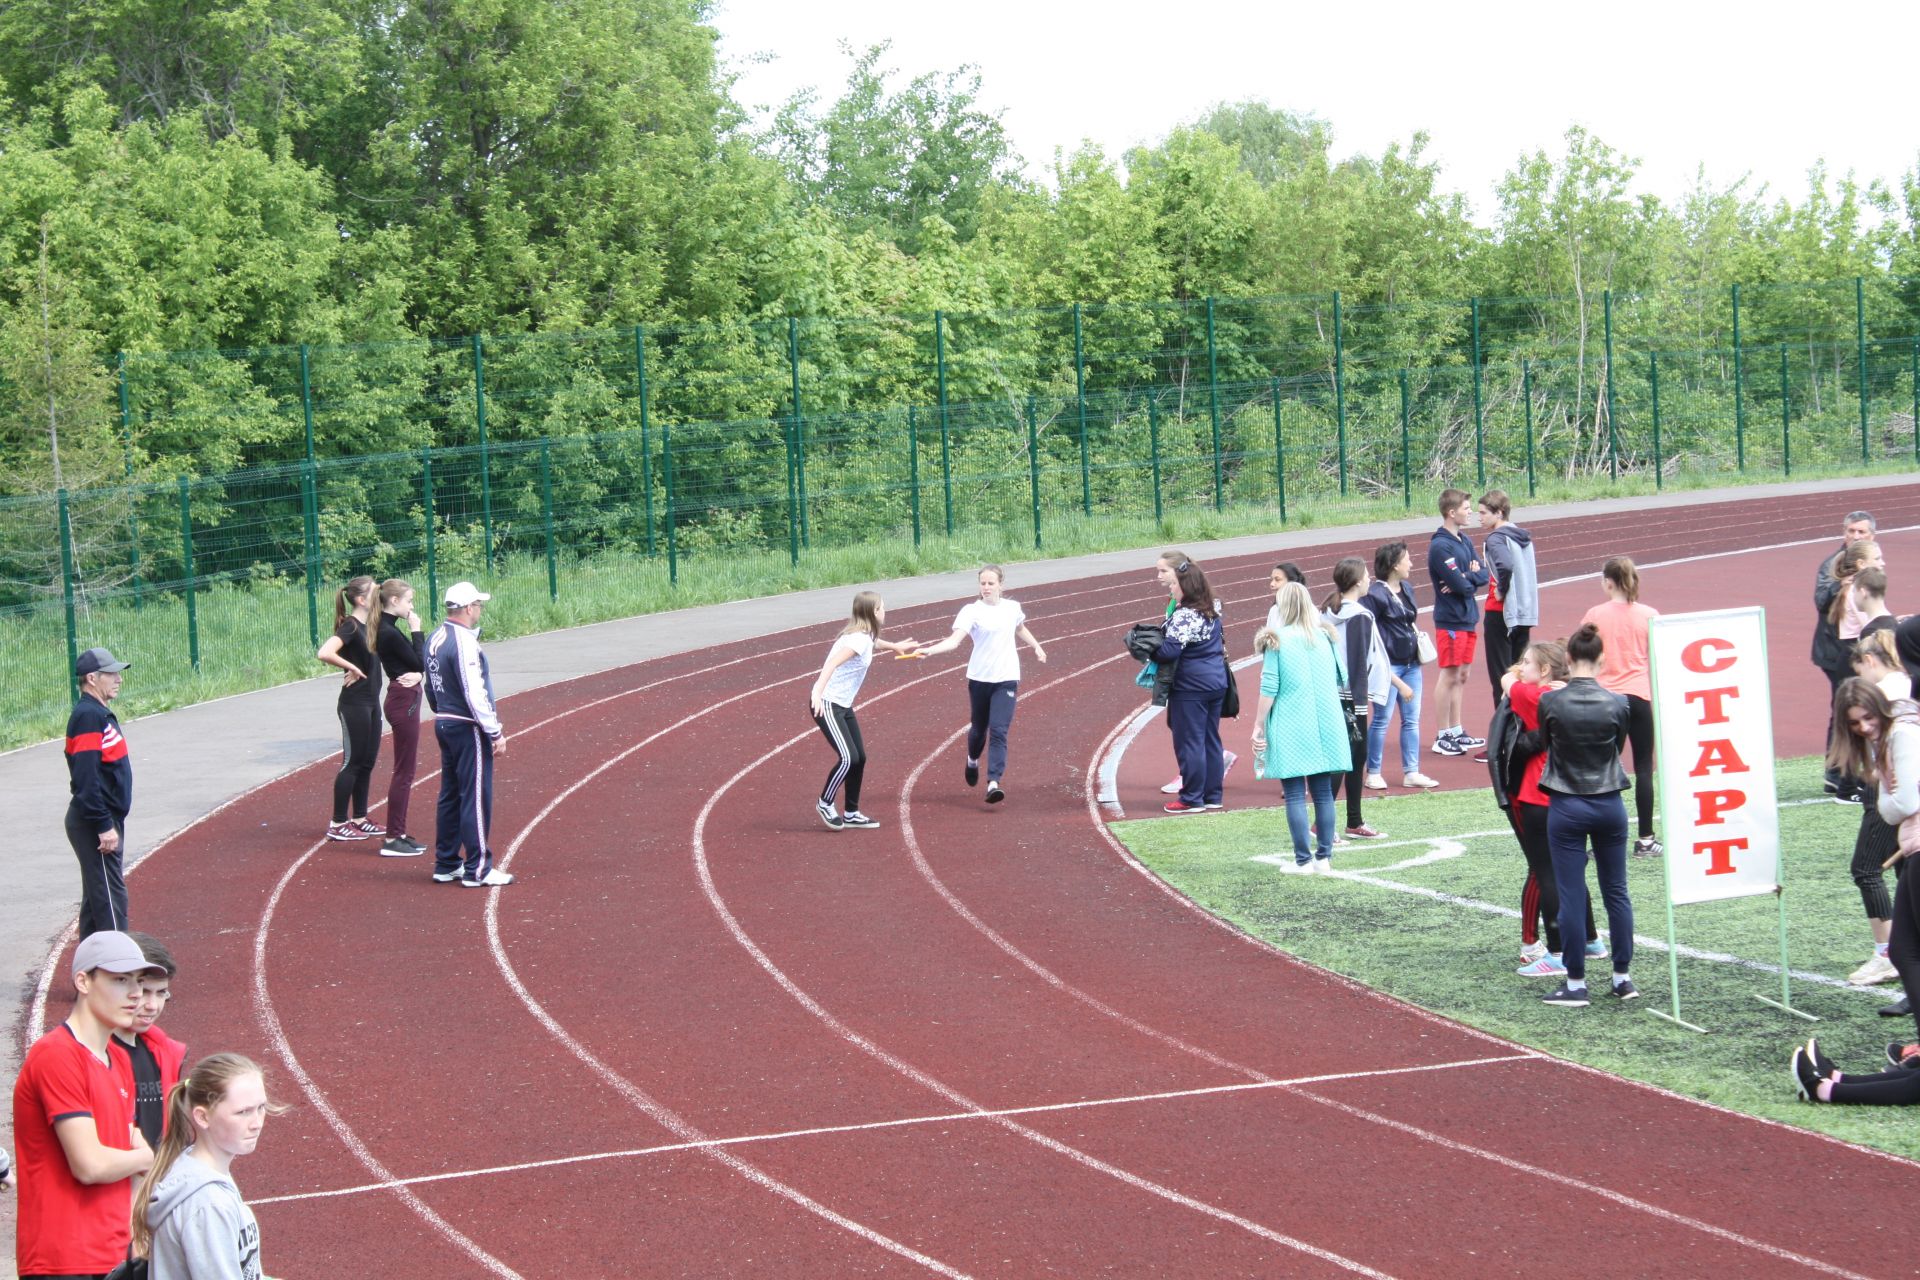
202 1229
1510 553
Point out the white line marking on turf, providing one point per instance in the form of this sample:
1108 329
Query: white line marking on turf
949 1117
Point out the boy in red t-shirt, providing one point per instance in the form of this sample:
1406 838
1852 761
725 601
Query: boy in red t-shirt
73 1124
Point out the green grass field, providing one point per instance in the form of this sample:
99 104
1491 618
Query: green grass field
1445 935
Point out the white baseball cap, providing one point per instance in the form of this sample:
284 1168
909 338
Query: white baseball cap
462 594
110 950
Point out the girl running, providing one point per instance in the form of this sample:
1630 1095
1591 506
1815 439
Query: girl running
402 652
188 1217
1622 623
832 704
992 623
350 648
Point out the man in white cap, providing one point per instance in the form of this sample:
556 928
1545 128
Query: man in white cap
73 1122
101 779
467 727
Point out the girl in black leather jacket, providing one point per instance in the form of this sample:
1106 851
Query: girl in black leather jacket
1584 727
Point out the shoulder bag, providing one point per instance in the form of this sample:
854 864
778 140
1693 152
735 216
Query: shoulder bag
1356 736
1230 705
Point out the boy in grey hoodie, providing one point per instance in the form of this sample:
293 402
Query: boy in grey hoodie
1513 594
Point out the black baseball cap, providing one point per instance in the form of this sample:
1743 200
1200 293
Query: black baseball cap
98 660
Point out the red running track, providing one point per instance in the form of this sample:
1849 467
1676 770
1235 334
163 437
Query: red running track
705 1036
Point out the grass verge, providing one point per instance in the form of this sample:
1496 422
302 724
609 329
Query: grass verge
1455 956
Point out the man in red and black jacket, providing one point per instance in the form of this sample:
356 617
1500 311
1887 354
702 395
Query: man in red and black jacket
102 780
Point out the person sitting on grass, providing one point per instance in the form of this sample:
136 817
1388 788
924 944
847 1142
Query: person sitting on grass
1817 1078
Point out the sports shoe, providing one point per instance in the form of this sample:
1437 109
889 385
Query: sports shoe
369 826
855 818
1877 969
1898 1009
1364 832
1596 949
1172 806
344 831
1322 866
828 815
973 773
1903 1055
1567 997
1533 951
1624 989
1170 789
1376 783
446 877
1648 847
1216 805
1297 868
1851 796
994 794
396 847
1823 1066
1418 779
1547 966
1806 1081
494 879
1468 741
401 835
1448 745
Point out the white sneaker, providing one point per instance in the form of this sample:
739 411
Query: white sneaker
1878 969
1297 868
1376 783
1322 866
494 879
1171 789
1418 779
1533 951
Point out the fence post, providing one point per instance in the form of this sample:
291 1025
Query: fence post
133 500
940 370
306 397
1279 451
1613 434
666 466
186 562
1526 394
66 593
1479 422
1786 420
1340 389
1739 391
1080 404
1153 446
1653 381
913 471
480 420
426 503
1860 337
788 434
1913 378
546 514
799 430
1033 467
310 527
1406 443
1213 410
646 455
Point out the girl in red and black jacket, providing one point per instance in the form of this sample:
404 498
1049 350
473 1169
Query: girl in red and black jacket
401 649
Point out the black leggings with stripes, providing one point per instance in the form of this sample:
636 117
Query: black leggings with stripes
359 747
843 734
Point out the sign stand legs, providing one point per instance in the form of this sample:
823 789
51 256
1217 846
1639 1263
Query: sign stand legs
1786 994
1673 976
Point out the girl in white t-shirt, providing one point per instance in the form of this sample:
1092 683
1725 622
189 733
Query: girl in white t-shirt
993 623
832 703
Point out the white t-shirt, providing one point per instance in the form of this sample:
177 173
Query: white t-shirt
846 679
994 630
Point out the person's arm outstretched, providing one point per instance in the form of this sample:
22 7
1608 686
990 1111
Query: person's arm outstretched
948 645
1033 644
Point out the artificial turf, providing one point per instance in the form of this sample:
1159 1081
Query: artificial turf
1444 934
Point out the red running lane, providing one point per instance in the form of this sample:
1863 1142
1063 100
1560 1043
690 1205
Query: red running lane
421 1045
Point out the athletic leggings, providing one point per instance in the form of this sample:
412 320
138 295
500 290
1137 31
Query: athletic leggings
403 713
1903 947
1874 844
993 706
843 734
359 747
1354 776
1640 737
1898 1086
1540 896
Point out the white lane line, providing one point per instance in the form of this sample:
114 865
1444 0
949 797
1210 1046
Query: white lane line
949 1117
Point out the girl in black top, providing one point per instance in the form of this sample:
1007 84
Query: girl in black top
349 649
402 651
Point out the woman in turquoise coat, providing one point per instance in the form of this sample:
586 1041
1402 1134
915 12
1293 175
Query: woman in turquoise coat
1300 733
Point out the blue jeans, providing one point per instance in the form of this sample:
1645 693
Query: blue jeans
1321 784
1571 822
1409 724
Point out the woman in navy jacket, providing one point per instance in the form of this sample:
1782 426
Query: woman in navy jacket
1199 689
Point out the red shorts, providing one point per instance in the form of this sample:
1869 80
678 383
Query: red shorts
1456 647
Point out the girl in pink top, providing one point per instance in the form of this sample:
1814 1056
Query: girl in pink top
1622 623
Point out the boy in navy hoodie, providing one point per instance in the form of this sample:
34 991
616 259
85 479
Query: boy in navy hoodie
1455 570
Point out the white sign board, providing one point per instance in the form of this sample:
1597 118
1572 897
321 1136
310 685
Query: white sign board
1713 725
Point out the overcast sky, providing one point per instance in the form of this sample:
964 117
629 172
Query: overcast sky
1676 85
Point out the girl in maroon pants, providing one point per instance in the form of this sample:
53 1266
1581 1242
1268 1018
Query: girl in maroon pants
400 647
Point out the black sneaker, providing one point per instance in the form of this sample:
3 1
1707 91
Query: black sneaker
1626 990
1823 1066
1648 847
1898 1009
1448 745
1567 997
396 847
973 773
1806 1081
1898 1057
827 815
994 794
855 818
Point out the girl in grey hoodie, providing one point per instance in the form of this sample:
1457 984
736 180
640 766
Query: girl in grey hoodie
188 1218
